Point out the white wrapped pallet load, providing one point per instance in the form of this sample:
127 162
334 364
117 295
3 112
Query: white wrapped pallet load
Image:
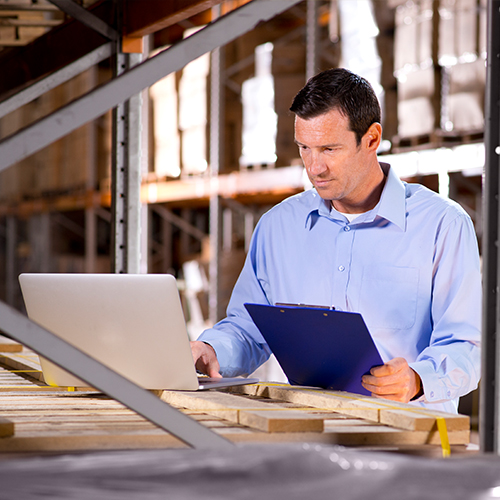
260 121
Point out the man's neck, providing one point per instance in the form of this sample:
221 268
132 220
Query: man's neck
369 202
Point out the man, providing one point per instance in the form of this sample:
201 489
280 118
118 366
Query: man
362 240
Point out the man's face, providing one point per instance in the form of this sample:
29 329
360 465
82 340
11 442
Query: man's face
337 167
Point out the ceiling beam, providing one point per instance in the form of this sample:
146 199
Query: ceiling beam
160 14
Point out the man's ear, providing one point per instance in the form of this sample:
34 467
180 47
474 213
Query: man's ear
373 137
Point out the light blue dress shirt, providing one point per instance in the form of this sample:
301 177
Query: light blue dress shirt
410 266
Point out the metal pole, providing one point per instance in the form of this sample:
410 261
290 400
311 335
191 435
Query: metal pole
10 259
490 386
312 39
215 161
126 176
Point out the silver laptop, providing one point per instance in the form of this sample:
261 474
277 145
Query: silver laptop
132 323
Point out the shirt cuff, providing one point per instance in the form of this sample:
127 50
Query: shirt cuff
223 353
434 389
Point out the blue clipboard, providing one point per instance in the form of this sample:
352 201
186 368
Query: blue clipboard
318 347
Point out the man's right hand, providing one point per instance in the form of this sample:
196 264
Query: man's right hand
205 359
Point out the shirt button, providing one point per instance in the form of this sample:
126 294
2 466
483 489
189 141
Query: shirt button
432 394
341 268
347 228
449 393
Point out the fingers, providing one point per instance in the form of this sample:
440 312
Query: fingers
392 366
205 359
394 380
394 391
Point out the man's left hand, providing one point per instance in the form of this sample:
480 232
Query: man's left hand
394 380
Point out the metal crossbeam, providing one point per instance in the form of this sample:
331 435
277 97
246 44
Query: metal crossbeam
179 222
57 78
81 14
20 328
88 107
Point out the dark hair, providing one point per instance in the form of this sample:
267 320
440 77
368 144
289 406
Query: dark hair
339 89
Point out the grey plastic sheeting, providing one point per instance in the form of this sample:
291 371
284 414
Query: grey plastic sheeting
250 472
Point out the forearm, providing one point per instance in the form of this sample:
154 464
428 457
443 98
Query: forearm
237 351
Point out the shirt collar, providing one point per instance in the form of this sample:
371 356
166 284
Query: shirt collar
392 204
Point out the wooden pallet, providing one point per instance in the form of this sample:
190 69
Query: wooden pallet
35 417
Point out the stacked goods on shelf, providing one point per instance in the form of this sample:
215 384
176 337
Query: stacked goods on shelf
462 50
439 62
414 69
193 114
280 68
260 121
464 102
165 130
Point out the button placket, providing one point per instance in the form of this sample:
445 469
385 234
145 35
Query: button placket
341 270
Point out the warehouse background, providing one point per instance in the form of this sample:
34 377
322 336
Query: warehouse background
425 58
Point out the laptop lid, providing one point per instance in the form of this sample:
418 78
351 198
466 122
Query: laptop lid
133 323
318 347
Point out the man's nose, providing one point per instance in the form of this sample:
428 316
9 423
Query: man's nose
315 165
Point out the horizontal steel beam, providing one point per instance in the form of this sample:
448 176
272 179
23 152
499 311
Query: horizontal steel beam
88 107
60 46
48 83
20 328
82 15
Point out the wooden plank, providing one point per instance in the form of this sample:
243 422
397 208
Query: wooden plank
6 428
281 421
392 413
27 361
9 345
255 414
341 402
419 419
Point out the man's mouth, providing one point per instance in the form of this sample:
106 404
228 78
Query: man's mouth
321 182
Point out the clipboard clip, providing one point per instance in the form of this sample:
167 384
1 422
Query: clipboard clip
283 304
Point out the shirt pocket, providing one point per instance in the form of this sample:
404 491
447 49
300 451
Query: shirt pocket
388 296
